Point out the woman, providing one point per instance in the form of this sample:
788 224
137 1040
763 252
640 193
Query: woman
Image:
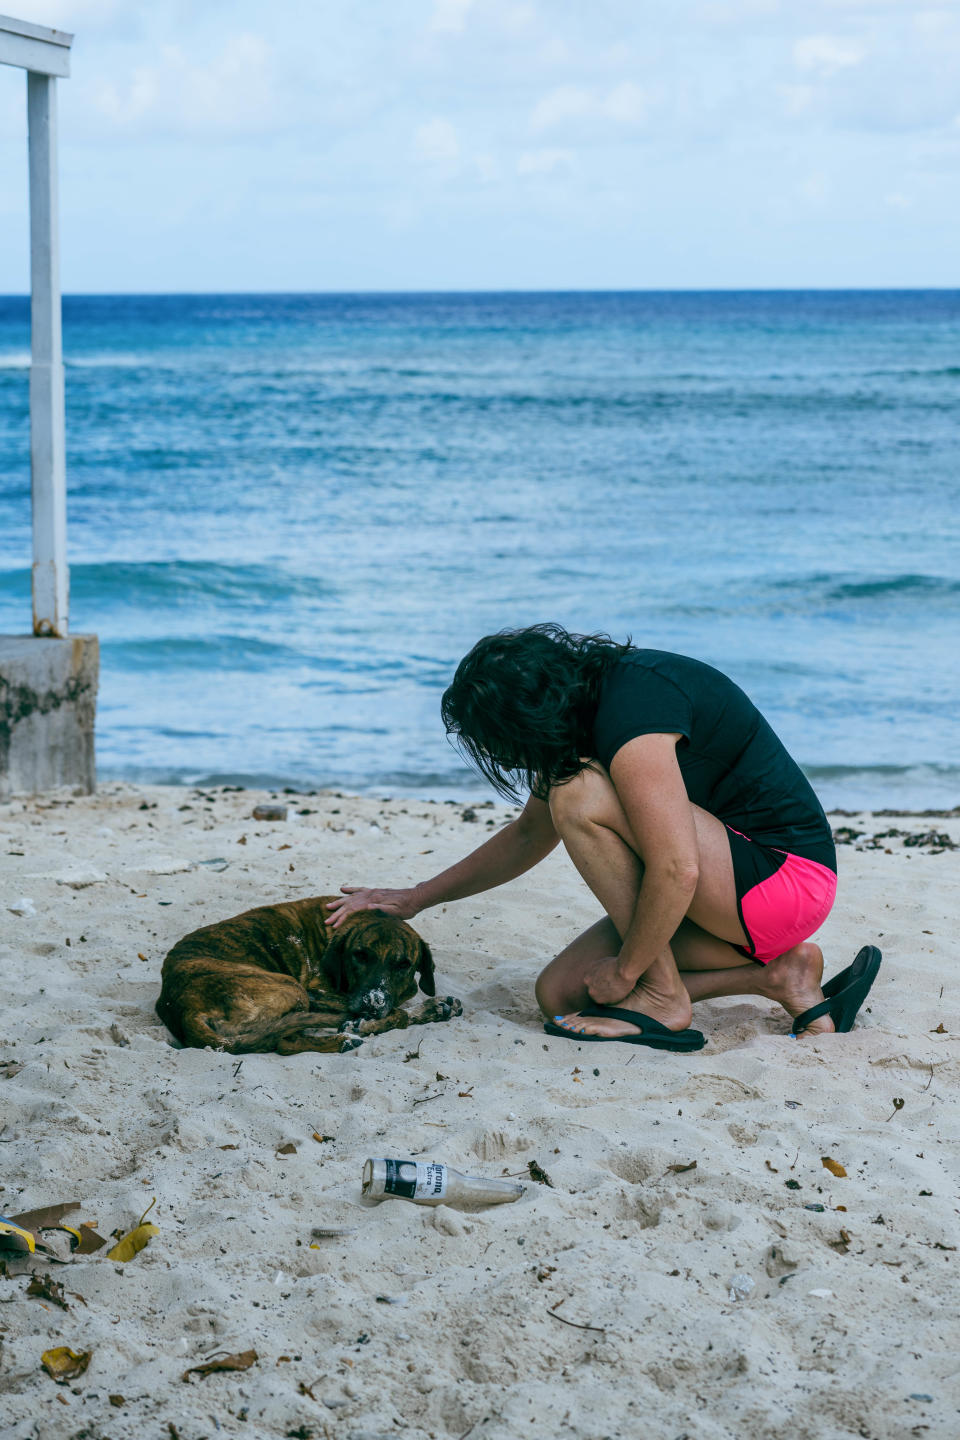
696 831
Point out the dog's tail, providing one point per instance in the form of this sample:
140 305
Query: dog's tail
263 1035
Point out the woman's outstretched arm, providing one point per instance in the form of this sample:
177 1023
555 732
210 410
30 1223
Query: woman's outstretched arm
509 853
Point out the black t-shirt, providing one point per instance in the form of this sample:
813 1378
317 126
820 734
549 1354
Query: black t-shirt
733 765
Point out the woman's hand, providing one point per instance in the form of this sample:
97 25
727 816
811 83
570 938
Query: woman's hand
606 982
402 903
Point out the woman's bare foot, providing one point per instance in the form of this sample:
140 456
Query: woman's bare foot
793 979
672 1009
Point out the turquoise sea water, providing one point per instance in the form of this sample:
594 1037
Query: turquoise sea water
290 516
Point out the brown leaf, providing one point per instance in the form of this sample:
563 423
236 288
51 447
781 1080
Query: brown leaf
242 1361
63 1364
940 1030
833 1166
546 1272
772 1168
680 1169
117 1400
47 1218
140 957
9 1068
288 1149
228 1147
46 1288
537 1173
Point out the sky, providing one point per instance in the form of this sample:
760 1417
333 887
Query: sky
221 145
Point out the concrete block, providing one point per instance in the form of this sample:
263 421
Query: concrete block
48 701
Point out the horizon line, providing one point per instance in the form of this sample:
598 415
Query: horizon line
519 290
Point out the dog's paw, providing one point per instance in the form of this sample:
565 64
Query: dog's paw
442 1007
349 1027
350 1042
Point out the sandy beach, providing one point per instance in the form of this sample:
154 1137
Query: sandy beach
603 1304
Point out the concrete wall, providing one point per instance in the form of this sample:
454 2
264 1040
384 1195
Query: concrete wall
48 701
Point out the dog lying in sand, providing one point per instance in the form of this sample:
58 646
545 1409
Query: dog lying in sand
278 978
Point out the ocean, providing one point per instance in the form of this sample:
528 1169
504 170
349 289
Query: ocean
290 515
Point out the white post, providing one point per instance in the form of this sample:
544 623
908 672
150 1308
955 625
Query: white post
47 425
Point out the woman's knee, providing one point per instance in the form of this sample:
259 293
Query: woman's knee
588 797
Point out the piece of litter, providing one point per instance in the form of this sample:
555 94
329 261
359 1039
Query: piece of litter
24 906
330 1232
821 1294
391 1299
927 1398
740 1285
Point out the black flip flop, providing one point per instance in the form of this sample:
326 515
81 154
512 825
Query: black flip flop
649 1031
845 993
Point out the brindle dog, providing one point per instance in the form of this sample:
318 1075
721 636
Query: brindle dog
273 977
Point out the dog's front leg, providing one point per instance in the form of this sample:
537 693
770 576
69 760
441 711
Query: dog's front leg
396 1020
437 1008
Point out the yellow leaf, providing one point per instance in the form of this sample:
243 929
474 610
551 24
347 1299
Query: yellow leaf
833 1166
64 1364
134 1241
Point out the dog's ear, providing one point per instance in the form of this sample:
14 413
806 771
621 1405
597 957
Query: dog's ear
334 961
425 970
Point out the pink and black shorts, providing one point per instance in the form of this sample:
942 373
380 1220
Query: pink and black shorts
782 898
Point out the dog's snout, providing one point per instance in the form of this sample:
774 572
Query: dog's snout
374 1003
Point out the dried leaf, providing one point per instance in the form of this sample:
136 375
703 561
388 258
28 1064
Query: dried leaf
940 1030
833 1166
63 1364
537 1173
47 1218
87 1239
46 1288
134 1241
680 1169
772 1168
288 1149
228 1147
546 1272
243 1361
9 1068
117 1400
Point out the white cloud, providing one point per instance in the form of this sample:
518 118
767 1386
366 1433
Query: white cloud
436 142
231 94
825 54
450 15
626 104
544 162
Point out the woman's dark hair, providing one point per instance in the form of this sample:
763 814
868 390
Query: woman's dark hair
522 705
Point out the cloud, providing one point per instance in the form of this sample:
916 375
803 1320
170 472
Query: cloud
450 15
625 104
436 142
232 94
825 54
544 162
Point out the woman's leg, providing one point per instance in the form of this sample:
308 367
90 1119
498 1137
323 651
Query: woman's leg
591 821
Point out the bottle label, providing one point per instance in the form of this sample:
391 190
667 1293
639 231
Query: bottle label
415 1179
431 1181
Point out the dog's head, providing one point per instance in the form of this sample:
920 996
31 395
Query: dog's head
374 960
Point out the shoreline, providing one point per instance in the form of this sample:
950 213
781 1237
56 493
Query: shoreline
670 1176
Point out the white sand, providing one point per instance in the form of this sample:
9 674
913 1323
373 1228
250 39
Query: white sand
835 1338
